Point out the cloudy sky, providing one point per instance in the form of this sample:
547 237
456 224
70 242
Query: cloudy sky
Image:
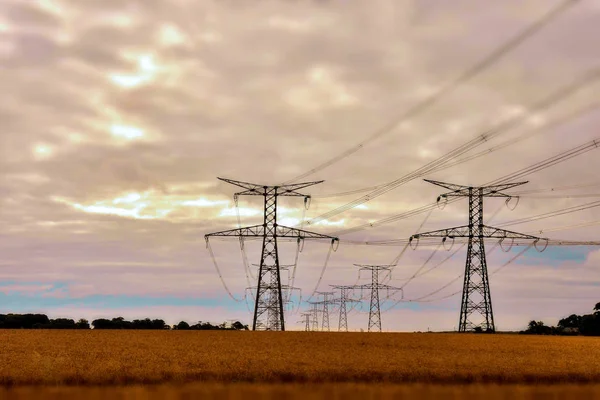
118 116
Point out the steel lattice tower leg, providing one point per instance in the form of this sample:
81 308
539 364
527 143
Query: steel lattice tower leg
343 324
476 297
268 291
374 309
315 318
325 325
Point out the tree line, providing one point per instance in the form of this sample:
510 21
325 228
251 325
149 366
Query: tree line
41 321
587 325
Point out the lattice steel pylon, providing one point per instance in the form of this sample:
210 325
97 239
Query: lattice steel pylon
268 299
476 312
374 287
306 321
326 302
343 300
314 313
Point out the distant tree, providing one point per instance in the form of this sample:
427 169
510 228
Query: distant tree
82 324
590 325
61 323
572 321
538 328
159 324
182 326
237 325
23 321
103 323
597 308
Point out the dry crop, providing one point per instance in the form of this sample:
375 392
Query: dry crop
329 391
143 357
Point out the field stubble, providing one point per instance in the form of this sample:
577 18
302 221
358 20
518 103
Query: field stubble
155 357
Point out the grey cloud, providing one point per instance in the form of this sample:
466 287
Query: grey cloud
230 114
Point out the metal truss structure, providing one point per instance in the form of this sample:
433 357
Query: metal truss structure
476 312
325 303
374 287
314 314
306 321
343 300
268 308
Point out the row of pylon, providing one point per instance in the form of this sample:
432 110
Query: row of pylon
269 302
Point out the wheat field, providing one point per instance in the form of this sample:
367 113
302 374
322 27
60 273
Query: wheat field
329 363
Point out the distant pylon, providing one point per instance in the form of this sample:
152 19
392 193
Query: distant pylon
374 287
306 320
314 313
326 303
268 308
476 297
343 300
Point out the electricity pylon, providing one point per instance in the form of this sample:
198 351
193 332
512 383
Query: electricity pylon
269 298
374 287
314 313
343 300
306 321
326 302
476 296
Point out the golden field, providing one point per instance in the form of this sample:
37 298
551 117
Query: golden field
329 391
55 357
231 364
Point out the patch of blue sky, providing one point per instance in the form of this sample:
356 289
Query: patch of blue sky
552 256
43 301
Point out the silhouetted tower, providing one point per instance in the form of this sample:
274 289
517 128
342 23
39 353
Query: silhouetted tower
374 287
326 302
314 313
476 297
306 321
286 291
343 300
269 298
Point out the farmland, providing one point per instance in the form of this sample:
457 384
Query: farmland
33 360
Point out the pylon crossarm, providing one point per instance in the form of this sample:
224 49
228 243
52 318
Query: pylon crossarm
251 187
374 266
465 191
257 192
288 232
365 286
283 189
458 231
388 287
489 232
256 230
497 233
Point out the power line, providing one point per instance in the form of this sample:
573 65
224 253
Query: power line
449 87
536 167
436 165
527 135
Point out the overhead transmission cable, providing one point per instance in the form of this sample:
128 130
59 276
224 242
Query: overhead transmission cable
527 135
418 273
478 140
551 214
448 87
549 162
423 299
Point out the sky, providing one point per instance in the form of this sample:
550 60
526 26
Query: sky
118 116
